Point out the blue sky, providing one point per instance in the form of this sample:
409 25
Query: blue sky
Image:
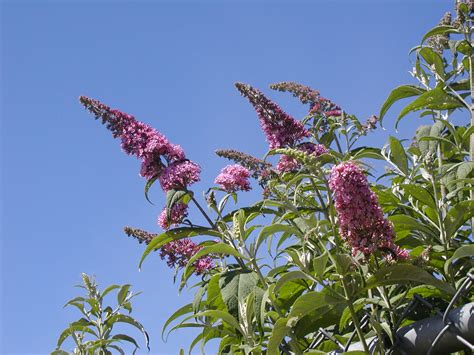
67 189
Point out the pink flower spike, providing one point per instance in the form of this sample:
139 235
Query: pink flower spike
234 178
281 130
361 220
178 213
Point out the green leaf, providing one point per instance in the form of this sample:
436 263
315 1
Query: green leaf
423 131
68 332
420 194
235 286
436 99
280 330
464 47
126 338
398 155
399 93
122 318
175 234
434 59
272 229
457 216
403 273
175 196
188 308
214 297
289 276
217 248
439 30
218 315
319 264
461 252
403 223
343 263
122 294
108 289
148 184
366 152
312 301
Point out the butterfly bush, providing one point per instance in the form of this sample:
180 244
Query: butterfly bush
329 244
361 220
234 178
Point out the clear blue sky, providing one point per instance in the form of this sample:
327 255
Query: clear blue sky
67 189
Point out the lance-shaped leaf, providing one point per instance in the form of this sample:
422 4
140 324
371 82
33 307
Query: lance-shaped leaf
457 216
175 234
439 30
148 185
398 155
235 286
175 196
405 273
461 252
122 318
436 99
397 94
433 59
188 308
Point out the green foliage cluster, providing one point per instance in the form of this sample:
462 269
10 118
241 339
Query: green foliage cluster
93 332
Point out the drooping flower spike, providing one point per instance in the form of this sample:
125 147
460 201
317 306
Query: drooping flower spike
361 220
138 138
308 95
159 158
281 130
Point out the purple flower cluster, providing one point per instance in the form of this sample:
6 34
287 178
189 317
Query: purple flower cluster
280 129
179 175
234 178
325 107
361 220
304 93
140 235
307 95
153 149
287 163
138 138
178 252
178 212
370 124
